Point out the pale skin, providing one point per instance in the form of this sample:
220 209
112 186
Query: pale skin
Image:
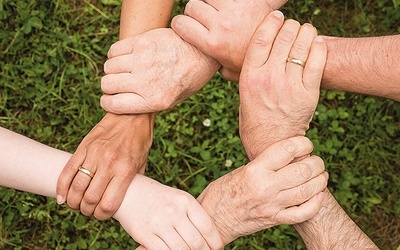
154 220
117 147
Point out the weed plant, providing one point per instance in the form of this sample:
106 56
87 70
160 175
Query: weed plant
52 53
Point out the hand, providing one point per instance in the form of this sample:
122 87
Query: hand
268 191
153 72
161 217
115 150
223 29
278 98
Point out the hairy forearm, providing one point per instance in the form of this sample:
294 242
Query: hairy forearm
364 65
332 228
138 16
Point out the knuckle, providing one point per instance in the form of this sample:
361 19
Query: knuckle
318 163
71 166
110 156
286 37
305 170
108 207
261 38
323 183
292 218
288 146
305 192
91 198
300 47
79 185
197 243
226 26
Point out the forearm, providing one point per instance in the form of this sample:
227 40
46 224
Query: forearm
332 228
139 16
364 65
29 166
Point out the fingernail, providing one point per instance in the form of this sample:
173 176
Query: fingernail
278 14
60 200
319 39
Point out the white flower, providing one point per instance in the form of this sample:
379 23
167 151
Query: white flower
228 163
207 122
316 113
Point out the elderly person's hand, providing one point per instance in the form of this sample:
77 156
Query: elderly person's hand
268 191
223 29
153 72
279 83
112 152
278 98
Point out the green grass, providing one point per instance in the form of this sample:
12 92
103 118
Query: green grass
52 55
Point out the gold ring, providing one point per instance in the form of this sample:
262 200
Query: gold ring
296 61
86 172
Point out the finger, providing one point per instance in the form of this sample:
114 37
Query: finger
113 196
204 224
301 49
192 238
68 174
217 4
280 154
284 42
141 248
125 103
191 31
263 39
94 192
119 64
117 83
173 239
202 12
304 192
78 187
300 172
153 242
315 65
122 47
305 211
229 74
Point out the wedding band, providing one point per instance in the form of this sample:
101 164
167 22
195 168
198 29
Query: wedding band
86 172
296 61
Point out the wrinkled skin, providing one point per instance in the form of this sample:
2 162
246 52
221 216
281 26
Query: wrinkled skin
114 152
278 98
223 29
152 72
268 191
